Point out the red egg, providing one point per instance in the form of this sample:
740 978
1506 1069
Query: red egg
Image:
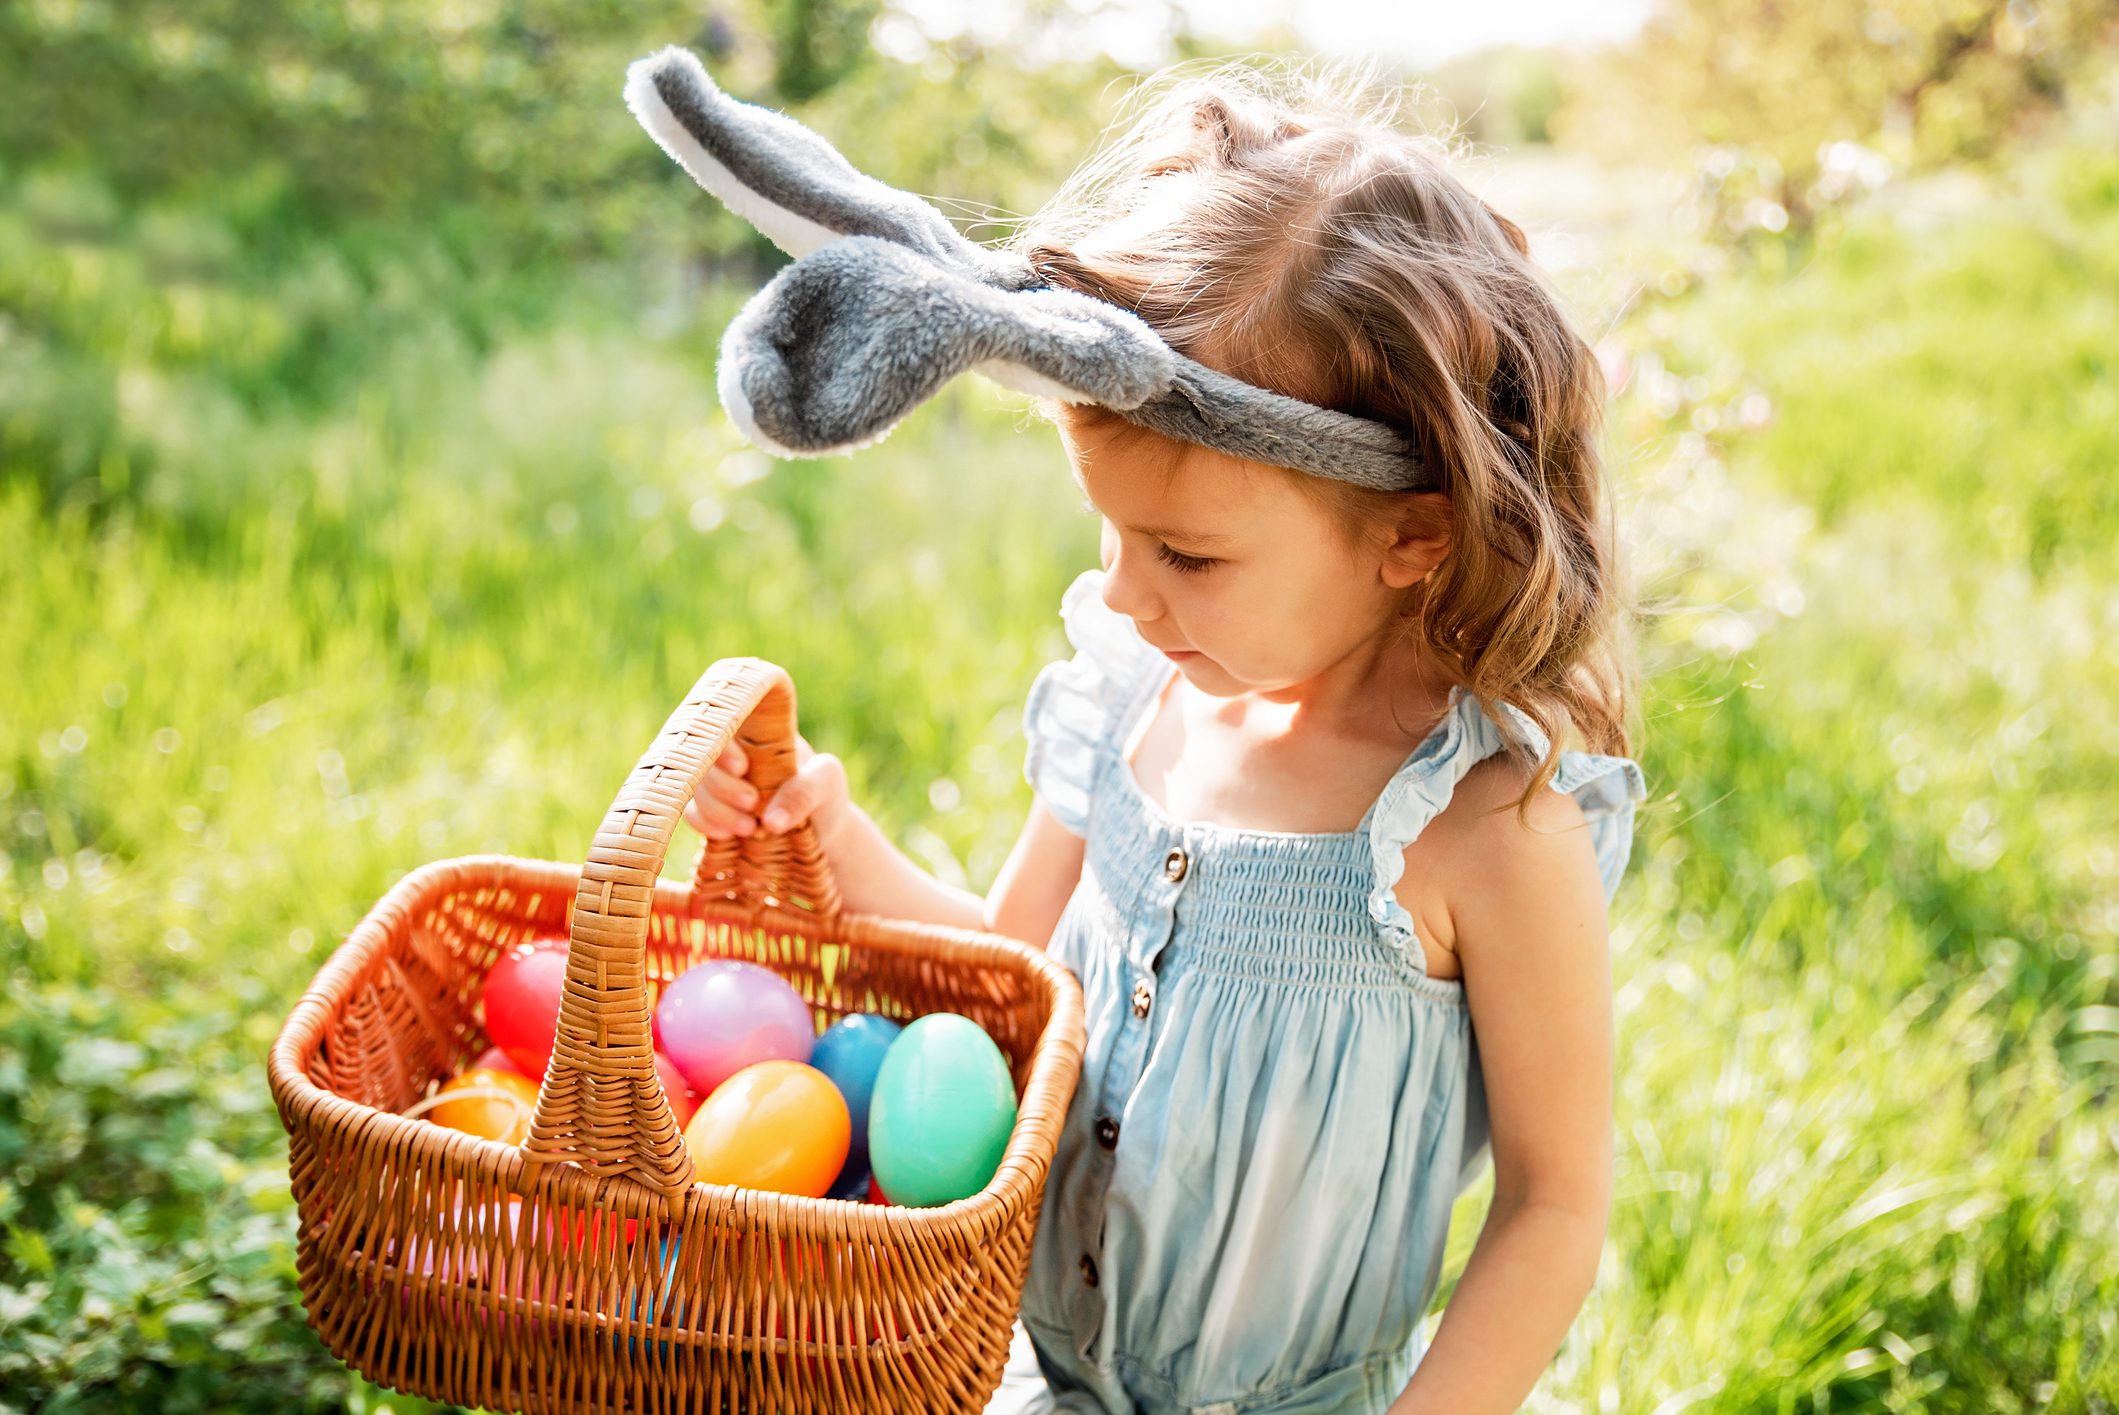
579 1228
522 995
682 1102
808 1327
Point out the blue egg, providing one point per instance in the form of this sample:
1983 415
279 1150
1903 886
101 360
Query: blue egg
851 1053
670 1247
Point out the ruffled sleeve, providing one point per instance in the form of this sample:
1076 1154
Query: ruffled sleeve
1073 704
1606 787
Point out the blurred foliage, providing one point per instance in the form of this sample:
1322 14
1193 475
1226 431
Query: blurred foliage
818 44
258 253
149 1241
495 125
290 116
1501 96
1783 89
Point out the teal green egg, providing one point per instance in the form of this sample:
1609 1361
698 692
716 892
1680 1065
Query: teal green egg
941 1113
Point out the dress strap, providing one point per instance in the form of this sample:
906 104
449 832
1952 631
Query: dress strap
1606 787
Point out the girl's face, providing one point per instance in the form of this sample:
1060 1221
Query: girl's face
1225 562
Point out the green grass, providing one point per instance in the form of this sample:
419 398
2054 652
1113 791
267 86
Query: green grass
1967 366
1867 956
269 652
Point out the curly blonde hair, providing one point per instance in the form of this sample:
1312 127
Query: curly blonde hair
1274 222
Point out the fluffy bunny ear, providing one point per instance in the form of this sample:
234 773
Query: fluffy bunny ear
839 346
886 301
783 178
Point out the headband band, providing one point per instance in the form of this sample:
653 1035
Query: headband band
885 301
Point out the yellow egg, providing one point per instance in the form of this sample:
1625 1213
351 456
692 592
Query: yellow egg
775 1124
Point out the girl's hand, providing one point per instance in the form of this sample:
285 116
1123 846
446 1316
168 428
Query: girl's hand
725 804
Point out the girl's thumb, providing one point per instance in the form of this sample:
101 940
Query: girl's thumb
819 784
788 805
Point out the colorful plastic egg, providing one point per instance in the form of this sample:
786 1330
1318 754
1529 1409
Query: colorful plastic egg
662 1299
777 1124
683 1104
851 1051
521 996
588 1228
943 1109
723 1015
492 1104
493 1058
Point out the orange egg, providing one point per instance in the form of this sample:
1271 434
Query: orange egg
777 1124
499 1105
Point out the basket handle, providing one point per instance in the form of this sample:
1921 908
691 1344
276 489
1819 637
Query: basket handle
601 1104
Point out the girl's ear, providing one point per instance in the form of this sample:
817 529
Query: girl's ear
1420 542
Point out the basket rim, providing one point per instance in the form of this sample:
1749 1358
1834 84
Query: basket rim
1056 1058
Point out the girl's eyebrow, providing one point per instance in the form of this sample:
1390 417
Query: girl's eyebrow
1167 532
1172 533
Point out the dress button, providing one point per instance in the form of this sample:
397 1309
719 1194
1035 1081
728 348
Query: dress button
1088 1270
1107 1133
1142 996
1174 866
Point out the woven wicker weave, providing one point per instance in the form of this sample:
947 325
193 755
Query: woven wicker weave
584 1270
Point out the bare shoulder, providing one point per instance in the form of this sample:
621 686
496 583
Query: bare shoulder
1483 807
1479 856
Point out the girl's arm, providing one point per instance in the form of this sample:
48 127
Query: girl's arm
1530 931
1038 878
875 877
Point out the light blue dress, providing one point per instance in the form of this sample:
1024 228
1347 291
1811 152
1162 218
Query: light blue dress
1250 1202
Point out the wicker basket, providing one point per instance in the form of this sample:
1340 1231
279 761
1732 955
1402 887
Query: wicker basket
584 1270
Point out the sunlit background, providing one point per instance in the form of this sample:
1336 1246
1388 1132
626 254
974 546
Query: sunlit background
364 500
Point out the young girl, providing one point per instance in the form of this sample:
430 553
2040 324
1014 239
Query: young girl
1336 900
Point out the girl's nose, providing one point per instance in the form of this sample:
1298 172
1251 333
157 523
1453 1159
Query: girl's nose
1122 594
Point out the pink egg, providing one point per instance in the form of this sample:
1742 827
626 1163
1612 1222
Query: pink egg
484 1256
493 1058
723 1015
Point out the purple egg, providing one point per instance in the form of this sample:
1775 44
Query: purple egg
719 1017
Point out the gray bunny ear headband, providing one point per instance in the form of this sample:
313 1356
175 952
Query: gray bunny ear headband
885 302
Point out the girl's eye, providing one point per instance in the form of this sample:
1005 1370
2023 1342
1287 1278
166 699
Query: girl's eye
1177 560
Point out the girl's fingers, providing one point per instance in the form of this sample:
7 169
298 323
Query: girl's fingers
733 789
728 804
715 819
